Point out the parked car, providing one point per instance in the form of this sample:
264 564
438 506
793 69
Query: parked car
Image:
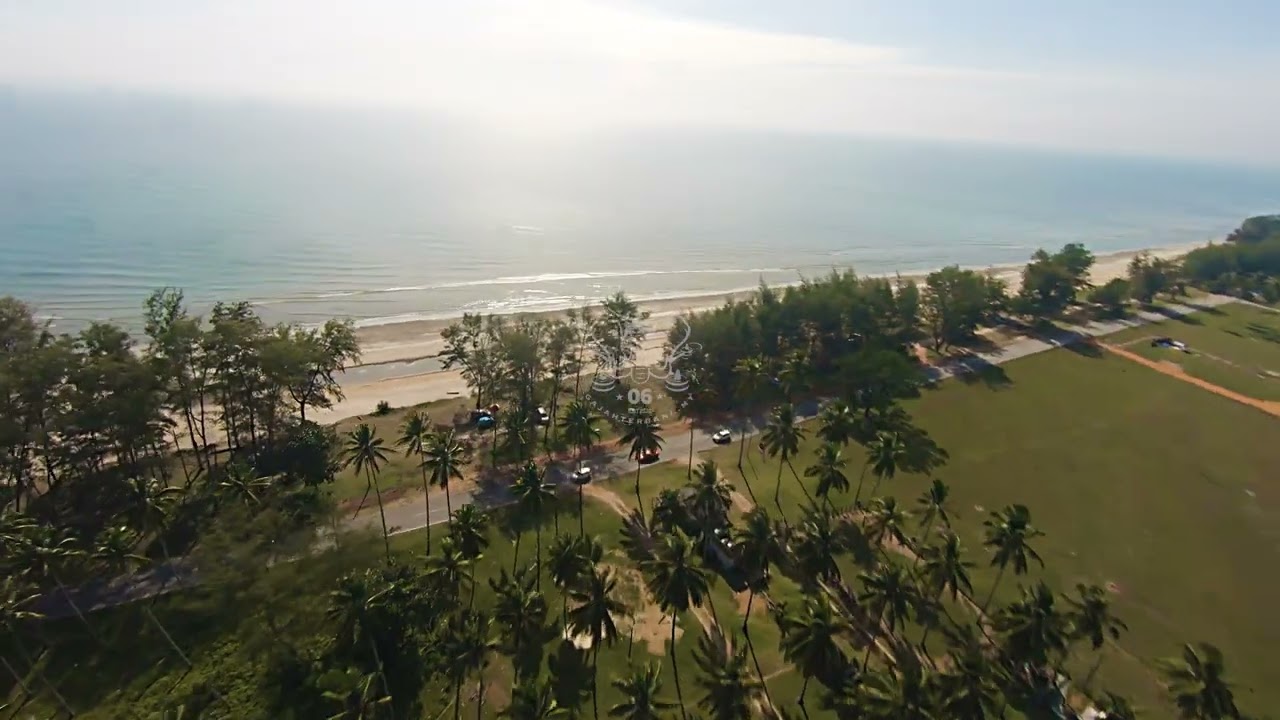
722 437
650 456
1168 342
544 417
581 475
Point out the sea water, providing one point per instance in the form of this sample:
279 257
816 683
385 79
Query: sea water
382 216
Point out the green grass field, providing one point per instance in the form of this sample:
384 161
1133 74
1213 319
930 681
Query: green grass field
1165 490
1141 481
1236 346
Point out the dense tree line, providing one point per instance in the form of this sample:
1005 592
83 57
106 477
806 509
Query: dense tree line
1247 264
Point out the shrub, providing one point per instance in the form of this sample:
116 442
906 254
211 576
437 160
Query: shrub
383 408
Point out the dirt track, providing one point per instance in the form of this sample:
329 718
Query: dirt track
1176 371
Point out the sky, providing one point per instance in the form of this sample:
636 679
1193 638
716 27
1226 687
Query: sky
1183 78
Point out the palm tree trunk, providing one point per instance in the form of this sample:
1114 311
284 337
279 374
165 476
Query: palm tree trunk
386 540
675 669
595 676
457 696
538 565
689 472
777 488
800 482
751 596
804 688
426 499
871 642
987 603
861 476
515 559
639 502
168 638
31 665
582 528
759 671
480 692
75 607
448 501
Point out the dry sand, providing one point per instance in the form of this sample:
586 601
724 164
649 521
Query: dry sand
393 344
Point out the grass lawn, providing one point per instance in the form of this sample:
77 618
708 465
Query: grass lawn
400 471
1236 346
1137 479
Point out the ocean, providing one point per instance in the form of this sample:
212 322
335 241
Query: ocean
385 216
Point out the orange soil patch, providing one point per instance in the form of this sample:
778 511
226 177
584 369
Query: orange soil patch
1174 370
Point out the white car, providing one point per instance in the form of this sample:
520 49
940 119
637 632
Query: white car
581 476
722 437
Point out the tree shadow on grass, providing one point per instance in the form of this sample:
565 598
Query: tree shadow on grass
1263 332
1173 314
974 369
570 676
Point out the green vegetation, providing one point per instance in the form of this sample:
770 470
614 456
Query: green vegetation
1094 517
1247 264
1235 346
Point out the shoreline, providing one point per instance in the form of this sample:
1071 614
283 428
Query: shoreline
399 362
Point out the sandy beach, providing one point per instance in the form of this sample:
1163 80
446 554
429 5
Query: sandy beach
399 365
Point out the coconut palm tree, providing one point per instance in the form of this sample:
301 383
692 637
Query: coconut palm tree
781 439
809 640
675 580
580 432
729 690
759 547
364 453
1197 683
568 565
885 456
451 568
712 494
900 693
642 438
640 687
415 438
751 374
356 694
967 688
519 609
596 606
889 592
238 480
532 699
1117 707
44 550
466 645
16 601
1034 631
533 496
114 548
1091 620
154 503
837 423
444 459
354 606
1009 533
818 543
886 519
828 469
945 569
933 506
470 531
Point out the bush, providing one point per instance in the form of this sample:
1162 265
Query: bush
1111 297
383 408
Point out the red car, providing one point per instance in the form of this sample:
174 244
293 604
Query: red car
650 456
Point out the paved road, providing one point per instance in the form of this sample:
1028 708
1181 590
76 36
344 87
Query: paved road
608 462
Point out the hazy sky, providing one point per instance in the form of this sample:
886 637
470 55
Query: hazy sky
1171 77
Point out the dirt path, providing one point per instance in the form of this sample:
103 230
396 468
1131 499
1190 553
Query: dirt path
608 497
1174 370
